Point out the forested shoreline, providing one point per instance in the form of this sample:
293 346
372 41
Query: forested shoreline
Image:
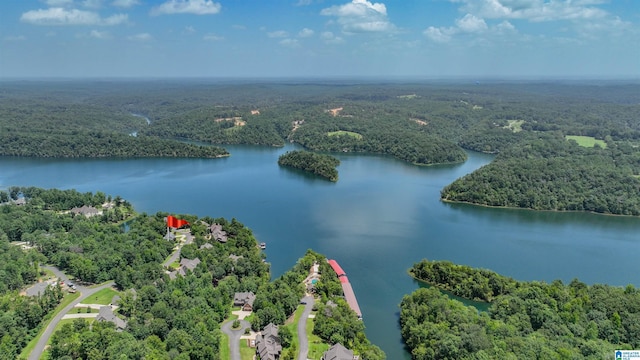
525 319
317 164
167 317
528 125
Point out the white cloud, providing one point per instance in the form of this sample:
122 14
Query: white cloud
197 7
278 34
305 33
360 16
189 29
213 37
330 38
140 37
125 3
61 16
289 42
471 24
239 27
57 3
534 10
15 38
99 34
439 34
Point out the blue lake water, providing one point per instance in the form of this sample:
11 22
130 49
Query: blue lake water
377 220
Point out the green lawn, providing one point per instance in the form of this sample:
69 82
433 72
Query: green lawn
316 346
102 297
224 347
83 310
586 141
515 125
348 133
68 298
246 353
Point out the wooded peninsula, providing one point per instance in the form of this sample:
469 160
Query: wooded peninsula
165 310
525 320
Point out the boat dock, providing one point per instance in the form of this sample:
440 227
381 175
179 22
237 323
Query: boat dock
349 295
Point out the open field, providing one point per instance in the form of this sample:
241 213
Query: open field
246 352
514 125
586 141
316 346
348 133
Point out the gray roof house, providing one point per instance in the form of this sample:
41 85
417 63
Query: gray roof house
185 264
85 210
337 352
217 233
106 314
268 345
244 299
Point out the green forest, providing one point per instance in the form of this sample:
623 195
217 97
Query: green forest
167 319
318 164
531 127
525 320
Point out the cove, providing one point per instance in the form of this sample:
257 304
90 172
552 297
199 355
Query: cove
378 219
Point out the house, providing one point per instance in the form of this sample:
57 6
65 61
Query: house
245 300
337 352
206 246
185 264
106 314
85 210
216 232
268 345
21 201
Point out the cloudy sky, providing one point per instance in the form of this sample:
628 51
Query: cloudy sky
320 38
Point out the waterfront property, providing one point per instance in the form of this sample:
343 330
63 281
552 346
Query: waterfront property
185 264
338 352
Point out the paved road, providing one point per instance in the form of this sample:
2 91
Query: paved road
234 337
85 292
176 253
303 341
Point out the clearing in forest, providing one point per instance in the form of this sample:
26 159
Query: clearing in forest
348 133
334 112
514 125
586 141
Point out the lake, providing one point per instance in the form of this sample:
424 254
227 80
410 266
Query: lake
377 220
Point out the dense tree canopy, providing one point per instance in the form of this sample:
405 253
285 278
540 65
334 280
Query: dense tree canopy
318 164
526 320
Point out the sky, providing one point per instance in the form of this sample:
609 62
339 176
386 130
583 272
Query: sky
320 38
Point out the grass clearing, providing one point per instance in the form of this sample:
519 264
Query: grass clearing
514 125
410 96
246 352
68 298
102 297
347 133
316 346
225 353
83 310
587 141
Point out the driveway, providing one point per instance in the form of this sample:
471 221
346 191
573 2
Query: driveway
303 341
85 292
234 337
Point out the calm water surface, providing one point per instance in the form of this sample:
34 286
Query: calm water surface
377 220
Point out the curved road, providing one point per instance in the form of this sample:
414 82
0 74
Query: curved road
234 337
303 341
84 293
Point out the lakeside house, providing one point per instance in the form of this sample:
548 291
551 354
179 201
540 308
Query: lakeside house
106 314
337 352
216 232
268 345
244 300
87 211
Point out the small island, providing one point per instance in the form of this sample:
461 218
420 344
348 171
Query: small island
319 164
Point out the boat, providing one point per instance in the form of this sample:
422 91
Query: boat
263 245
